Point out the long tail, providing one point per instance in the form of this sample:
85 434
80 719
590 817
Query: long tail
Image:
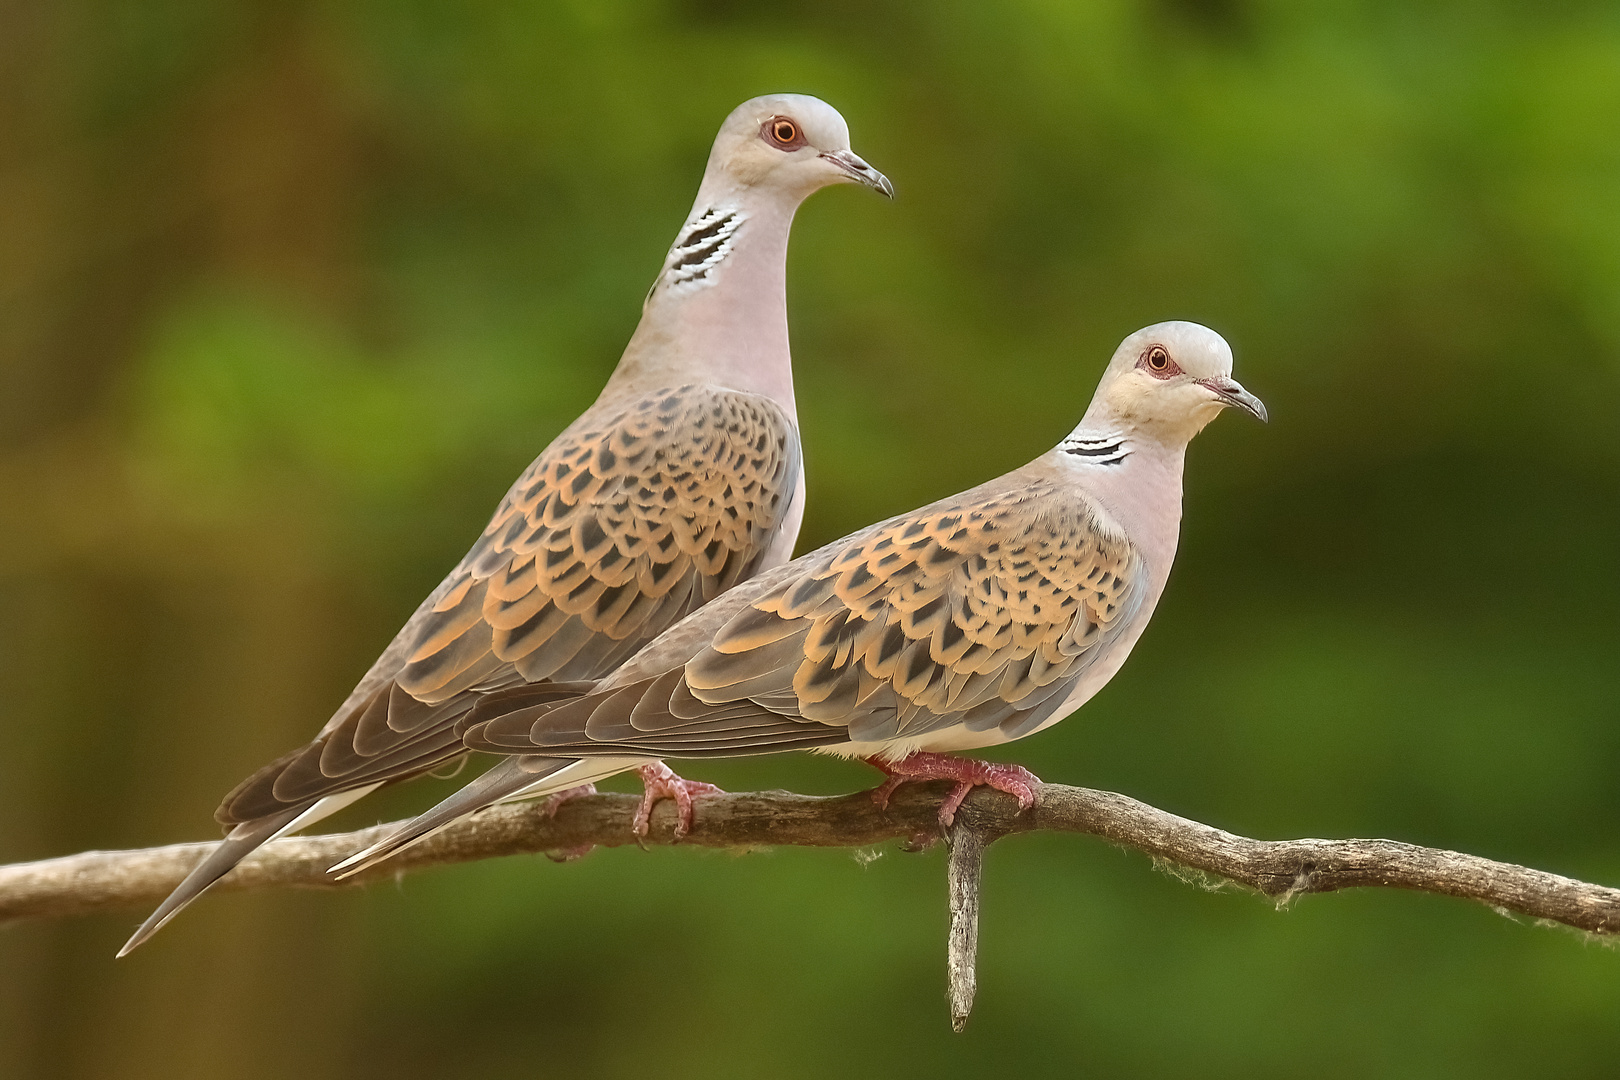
515 778
237 845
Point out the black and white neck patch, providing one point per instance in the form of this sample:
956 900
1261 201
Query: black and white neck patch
702 246
1099 450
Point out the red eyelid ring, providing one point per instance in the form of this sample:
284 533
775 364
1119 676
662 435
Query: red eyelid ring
1158 352
768 132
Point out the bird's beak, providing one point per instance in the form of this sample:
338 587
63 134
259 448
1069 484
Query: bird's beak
1231 392
860 172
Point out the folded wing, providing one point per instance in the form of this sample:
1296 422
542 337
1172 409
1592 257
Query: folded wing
633 518
979 611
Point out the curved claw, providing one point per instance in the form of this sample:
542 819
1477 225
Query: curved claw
661 782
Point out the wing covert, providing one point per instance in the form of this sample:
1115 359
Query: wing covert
627 522
635 516
977 611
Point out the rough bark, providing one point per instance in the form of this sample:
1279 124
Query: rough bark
1281 869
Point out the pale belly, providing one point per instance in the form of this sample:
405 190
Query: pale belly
954 739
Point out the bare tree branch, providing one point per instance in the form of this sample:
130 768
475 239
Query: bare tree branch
1281 869
962 877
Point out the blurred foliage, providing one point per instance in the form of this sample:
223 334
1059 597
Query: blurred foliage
289 291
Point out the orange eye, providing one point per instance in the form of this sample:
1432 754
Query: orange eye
1158 359
784 134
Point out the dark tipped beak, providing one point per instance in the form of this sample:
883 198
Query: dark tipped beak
1231 391
860 172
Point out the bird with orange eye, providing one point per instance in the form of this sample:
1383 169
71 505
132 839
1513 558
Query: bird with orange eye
787 135
793 140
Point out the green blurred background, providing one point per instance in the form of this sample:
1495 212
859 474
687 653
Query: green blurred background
289 293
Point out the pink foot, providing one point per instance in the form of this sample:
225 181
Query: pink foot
554 803
968 774
661 782
550 807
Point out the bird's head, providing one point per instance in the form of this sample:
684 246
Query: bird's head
1167 381
792 143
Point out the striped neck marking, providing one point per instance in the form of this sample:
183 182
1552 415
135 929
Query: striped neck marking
1096 450
702 246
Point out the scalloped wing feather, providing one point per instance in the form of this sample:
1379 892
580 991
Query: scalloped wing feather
635 516
977 611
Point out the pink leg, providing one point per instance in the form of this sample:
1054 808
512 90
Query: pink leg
968 774
661 782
